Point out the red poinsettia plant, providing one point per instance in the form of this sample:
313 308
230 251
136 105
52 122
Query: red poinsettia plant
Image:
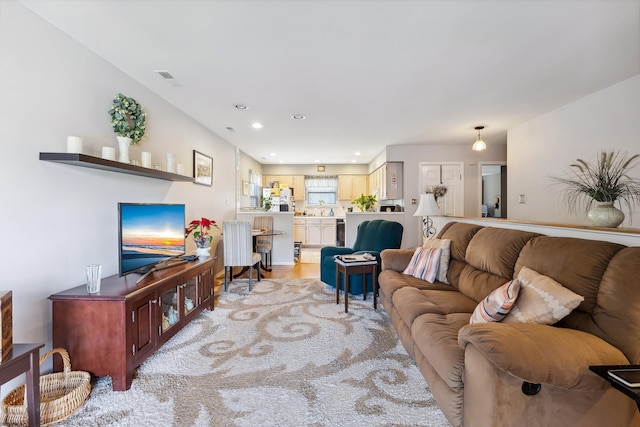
200 229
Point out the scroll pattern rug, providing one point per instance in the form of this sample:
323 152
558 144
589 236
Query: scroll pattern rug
283 355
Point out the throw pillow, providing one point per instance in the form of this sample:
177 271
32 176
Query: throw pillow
497 304
445 245
424 264
541 300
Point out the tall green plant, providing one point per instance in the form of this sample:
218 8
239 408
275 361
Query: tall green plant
607 180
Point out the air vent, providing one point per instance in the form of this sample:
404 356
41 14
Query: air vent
164 74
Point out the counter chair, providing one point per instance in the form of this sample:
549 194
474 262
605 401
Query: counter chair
264 244
238 250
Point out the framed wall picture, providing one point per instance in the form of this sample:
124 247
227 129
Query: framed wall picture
202 168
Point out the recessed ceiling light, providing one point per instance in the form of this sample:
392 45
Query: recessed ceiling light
317 161
230 129
273 154
353 161
298 117
357 154
280 161
257 125
241 107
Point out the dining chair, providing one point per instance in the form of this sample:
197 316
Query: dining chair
238 249
264 244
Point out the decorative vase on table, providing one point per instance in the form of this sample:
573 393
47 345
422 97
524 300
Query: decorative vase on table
202 248
606 215
123 148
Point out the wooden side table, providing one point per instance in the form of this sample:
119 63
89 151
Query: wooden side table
349 268
25 358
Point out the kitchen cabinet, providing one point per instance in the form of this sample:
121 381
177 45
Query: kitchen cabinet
386 182
114 331
300 230
350 187
298 188
315 231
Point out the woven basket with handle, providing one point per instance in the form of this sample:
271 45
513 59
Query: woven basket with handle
61 394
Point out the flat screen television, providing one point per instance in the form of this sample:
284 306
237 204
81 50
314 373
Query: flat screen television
148 234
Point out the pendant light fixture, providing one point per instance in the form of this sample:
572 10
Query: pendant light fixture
479 145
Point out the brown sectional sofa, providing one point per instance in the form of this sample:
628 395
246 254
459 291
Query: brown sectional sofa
477 372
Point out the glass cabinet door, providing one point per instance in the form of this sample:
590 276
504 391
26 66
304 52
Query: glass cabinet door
189 296
170 315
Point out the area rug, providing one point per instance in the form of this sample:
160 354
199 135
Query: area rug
282 355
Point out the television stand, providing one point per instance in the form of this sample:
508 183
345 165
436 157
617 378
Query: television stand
112 332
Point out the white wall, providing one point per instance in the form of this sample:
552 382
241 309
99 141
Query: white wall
547 145
57 218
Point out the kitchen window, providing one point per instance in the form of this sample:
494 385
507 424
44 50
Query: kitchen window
321 189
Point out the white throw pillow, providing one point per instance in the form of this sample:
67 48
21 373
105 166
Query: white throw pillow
541 300
445 255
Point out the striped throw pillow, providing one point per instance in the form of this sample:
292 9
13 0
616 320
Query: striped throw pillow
445 245
497 304
424 264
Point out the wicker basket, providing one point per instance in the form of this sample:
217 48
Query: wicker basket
61 394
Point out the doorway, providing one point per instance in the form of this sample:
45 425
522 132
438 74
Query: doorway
493 190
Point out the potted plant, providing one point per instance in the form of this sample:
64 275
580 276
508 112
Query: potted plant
266 204
201 236
603 184
365 203
129 123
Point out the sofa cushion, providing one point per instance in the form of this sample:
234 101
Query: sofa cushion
445 255
576 263
541 300
391 280
460 234
436 337
497 304
424 264
616 317
490 260
411 303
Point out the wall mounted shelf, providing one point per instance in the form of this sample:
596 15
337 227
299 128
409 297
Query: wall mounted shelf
84 160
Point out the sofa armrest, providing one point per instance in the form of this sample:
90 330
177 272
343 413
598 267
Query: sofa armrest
542 353
396 259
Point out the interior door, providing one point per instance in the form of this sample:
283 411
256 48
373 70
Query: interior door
451 176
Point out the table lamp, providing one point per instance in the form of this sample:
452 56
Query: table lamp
426 208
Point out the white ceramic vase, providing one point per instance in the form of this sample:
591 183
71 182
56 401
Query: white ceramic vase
203 253
124 143
605 215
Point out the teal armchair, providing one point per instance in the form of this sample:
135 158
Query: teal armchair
372 237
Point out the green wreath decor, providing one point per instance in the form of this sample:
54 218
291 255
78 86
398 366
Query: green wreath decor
126 112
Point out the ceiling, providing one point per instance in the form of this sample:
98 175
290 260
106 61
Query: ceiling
366 74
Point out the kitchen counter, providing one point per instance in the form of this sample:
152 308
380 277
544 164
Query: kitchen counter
282 253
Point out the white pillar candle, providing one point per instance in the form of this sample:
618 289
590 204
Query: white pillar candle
74 144
108 153
180 169
171 158
146 159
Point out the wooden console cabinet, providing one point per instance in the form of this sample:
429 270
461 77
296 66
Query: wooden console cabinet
114 331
